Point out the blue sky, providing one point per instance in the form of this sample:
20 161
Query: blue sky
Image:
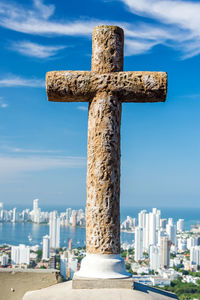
43 145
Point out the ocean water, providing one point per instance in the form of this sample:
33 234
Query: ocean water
17 233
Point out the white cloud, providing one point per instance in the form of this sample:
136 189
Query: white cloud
176 24
134 47
36 50
17 81
36 21
24 150
182 18
12 166
81 107
183 13
45 10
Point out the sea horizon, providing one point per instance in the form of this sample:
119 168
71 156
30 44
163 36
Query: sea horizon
17 233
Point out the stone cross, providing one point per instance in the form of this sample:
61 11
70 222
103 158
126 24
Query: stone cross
105 88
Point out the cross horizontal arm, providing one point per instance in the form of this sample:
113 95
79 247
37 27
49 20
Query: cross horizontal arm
80 86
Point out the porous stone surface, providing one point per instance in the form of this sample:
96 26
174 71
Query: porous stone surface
71 86
107 49
103 175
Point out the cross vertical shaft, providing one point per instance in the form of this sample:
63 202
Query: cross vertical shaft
103 162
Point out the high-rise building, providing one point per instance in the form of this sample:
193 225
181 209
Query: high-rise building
64 265
152 228
164 252
45 248
74 218
138 243
195 255
192 242
54 231
68 215
36 211
14 215
68 265
182 245
141 219
180 225
20 255
154 255
171 231
163 223
146 234
158 215
160 234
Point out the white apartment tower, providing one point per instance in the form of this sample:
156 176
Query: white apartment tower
138 243
152 228
154 255
14 215
45 248
54 230
180 225
20 255
142 218
36 211
192 242
171 231
195 255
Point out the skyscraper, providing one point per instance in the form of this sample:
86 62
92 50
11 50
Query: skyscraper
36 211
14 216
138 243
164 252
180 225
54 231
154 255
195 255
152 228
171 231
74 218
45 248
141 218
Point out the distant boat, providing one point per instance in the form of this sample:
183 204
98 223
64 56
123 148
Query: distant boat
29 238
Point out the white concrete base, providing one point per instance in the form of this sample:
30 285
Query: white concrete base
64 291
103 266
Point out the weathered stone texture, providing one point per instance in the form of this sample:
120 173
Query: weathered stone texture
107 49
103 175
67 86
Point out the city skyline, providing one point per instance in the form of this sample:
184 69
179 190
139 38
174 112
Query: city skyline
43 145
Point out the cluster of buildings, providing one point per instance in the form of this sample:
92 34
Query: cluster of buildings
68 218
22 256
162 247
160 250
